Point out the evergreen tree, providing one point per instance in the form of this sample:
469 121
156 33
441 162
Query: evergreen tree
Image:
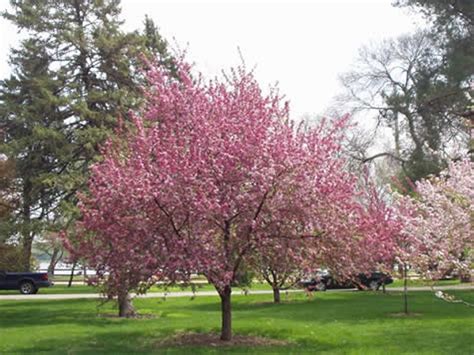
7 195
452 24
74 76
32 123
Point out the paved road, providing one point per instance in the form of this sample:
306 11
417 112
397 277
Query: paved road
148 295
207 293
82 283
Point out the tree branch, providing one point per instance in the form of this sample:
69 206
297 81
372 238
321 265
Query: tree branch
379 155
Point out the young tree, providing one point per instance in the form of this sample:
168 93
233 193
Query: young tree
211 172
283 262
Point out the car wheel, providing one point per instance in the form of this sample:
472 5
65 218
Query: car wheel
374 285
27 288
321 287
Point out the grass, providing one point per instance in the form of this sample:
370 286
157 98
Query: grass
329 323
421 282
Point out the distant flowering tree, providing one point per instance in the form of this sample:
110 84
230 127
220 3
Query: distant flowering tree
438 233
358 234
283 262
211 175
437 236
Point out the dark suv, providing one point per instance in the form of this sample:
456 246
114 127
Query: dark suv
26 282
323 280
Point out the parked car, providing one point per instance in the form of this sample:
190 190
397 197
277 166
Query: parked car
323 280
26 282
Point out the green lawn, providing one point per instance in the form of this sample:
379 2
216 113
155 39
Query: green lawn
420 282
330 323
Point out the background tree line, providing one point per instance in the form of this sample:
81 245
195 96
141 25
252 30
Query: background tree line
419 87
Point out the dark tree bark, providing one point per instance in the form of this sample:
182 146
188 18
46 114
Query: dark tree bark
276 294
72 274
26 255
126 309
226 329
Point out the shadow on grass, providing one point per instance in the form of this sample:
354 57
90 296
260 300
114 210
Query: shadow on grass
147 340
57 312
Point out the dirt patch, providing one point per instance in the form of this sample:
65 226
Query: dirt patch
405 315
213 340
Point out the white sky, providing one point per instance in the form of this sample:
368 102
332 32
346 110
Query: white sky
302 45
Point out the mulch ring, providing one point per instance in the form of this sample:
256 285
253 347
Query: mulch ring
213 340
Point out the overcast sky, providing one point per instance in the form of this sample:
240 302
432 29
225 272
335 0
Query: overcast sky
302 45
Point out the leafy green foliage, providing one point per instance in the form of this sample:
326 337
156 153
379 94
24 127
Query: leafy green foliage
10 258
453 24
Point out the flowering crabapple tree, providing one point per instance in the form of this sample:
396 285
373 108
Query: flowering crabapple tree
115 237
437 235
283 262
377 227
212 174
365 227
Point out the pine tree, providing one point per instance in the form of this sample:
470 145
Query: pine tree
452 24
74 76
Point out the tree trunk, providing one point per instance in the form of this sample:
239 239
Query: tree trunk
84 271
72 275
226 329
276 295
55 257
27 234
26 253
396 134
405 288
465 277
126 309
